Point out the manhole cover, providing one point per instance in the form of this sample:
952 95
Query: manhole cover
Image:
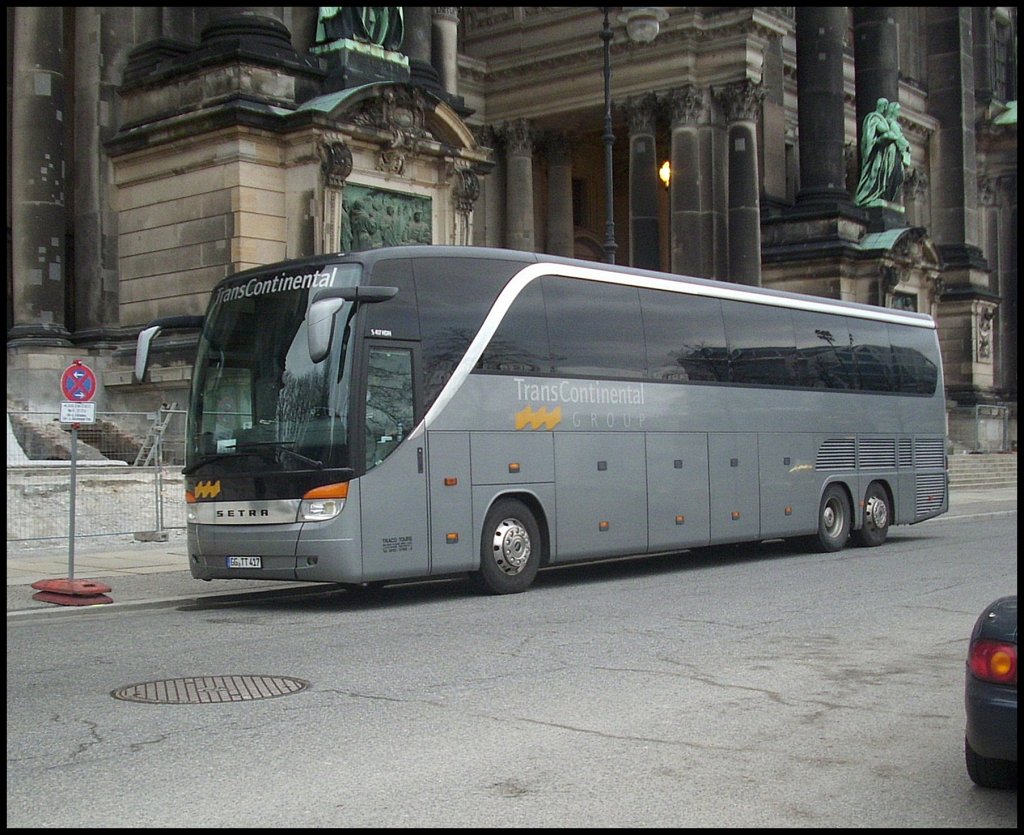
209 689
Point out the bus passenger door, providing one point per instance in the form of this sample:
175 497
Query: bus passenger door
393 493
735 506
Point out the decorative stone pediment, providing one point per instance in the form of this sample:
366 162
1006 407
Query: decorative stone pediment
402 119
909 265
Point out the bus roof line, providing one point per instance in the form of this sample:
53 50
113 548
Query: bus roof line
526 275
683 284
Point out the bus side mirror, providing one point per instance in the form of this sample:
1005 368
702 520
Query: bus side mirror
149 333
320 327
326 303
146 335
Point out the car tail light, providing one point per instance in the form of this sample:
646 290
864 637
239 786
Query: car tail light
993 661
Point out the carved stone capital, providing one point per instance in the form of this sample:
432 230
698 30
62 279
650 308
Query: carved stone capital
336 163
465 190
684 106
518 135
641 111
486 136
741 101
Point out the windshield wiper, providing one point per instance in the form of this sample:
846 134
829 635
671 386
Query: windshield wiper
283 446
253 448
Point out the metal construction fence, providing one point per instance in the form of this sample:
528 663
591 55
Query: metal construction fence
984 428
127 475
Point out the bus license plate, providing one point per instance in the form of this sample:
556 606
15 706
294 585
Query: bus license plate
245 562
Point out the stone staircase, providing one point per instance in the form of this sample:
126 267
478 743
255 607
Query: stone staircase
970 471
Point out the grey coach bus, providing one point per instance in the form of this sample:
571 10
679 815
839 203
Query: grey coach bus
420 411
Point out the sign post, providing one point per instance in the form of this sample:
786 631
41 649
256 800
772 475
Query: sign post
78 385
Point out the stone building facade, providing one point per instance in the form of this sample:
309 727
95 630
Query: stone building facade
155 150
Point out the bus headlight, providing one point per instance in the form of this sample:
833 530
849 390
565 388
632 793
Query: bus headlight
319 510
323 503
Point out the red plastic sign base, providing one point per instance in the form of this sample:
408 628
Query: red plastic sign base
66 592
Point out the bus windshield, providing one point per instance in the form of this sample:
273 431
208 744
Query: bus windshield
259 403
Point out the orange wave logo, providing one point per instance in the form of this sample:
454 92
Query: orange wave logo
538 418
207 489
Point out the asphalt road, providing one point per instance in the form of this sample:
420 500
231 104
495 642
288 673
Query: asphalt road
755 686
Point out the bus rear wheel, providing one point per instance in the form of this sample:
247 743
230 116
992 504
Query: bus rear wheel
876 517
834 515
510 549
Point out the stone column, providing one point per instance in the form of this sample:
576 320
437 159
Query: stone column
951 101
39 171
419 25
489 214
419 22
773 129
967 303
444 47
1006 283
644 236
997 207
819 73
102 43
561 229
876 52
691 226
741 103
518 136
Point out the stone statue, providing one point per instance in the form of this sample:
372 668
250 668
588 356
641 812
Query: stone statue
380 25
884 153
897 154
872 146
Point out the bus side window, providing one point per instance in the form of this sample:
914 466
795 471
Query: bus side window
873 355
389 402
822 346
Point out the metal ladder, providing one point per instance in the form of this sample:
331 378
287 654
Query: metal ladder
155 434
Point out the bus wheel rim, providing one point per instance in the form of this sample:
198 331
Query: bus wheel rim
832 518
877 511
511 546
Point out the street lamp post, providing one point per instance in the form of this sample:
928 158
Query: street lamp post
642 25
609 140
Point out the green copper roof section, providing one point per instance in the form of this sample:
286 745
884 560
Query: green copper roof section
1008 116
327 102
882 240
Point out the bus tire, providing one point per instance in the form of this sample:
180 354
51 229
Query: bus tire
510 549
834 514
877 513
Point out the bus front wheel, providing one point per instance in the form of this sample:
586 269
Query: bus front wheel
510 549
876 517
834 516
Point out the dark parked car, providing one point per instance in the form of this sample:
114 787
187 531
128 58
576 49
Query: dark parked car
990 696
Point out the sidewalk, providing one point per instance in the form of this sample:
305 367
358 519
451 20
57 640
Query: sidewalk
138 573
156 573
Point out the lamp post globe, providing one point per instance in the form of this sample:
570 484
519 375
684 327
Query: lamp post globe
642 26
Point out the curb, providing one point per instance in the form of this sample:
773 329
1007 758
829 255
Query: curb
221 597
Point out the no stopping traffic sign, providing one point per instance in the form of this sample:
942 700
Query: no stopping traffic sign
78 383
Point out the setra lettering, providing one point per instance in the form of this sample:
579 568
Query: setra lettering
249 513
